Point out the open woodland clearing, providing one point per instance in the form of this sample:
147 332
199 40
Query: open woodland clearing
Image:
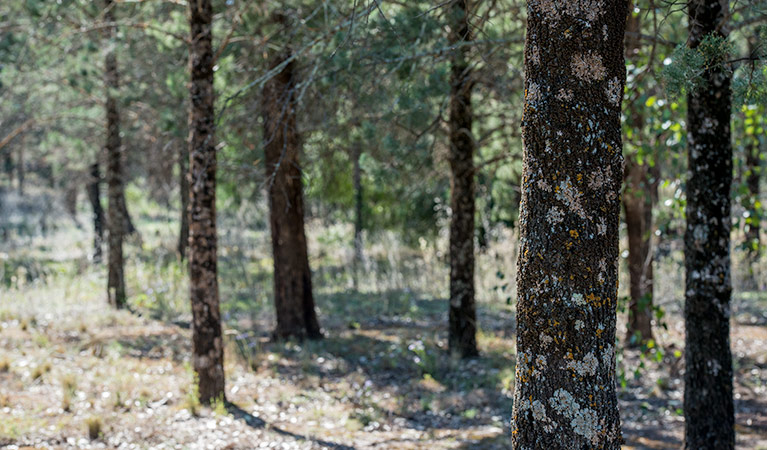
534 224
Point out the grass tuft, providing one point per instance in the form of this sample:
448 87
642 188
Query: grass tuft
94 426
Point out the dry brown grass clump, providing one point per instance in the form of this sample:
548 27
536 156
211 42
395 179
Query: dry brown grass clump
94 425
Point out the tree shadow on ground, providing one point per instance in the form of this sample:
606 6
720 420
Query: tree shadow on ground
258 423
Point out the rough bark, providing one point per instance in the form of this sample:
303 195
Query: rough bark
358 244
293 299
207 339
752 237
115 224
567 276
462 330
708 402
638 201
183 235
94 196
639 198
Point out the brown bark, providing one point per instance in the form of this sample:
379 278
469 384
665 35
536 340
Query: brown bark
207 338
358 244
639 198
462 332
708 402
115 224
293 299
20 173
752 237
183 168
94 196
567 276
638 201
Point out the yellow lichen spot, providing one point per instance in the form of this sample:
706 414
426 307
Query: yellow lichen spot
579 177
574 234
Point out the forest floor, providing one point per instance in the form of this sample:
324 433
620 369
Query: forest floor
71 367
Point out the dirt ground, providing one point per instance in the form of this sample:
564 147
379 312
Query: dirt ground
68 362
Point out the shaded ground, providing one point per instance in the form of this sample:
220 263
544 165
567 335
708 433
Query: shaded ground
381 378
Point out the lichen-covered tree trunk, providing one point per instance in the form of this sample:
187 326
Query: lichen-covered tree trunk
567 276
183 168
463 316
94 196
641 187
708 402
293 299
114 175
207 340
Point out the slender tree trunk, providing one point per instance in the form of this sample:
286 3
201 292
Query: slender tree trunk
638 202
183 168
567 272
207 338
753 174
708 402
116 277
128 227
293 298
462 335
94 196
358 244
20 165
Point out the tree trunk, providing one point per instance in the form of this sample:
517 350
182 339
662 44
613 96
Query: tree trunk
462 337
20 165
183 236
638 204
708 402
293 298
358 244
116 277
128 227
641 191
94 196
753 174
207 338
568 263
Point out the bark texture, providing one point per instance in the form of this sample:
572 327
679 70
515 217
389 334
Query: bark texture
567 276
638 201
358 244
293 299
753 175
114 175
708 402
183 169
639 198
462 330
207 340
94 196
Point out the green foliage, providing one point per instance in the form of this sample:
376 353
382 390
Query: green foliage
685 72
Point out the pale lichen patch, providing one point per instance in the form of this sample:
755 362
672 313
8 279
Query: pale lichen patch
588 67
586 367
555 216
584 421
614 91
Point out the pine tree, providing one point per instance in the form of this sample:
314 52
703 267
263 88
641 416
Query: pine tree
207 339
463 316
708 402
115 177
567 272
293 298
